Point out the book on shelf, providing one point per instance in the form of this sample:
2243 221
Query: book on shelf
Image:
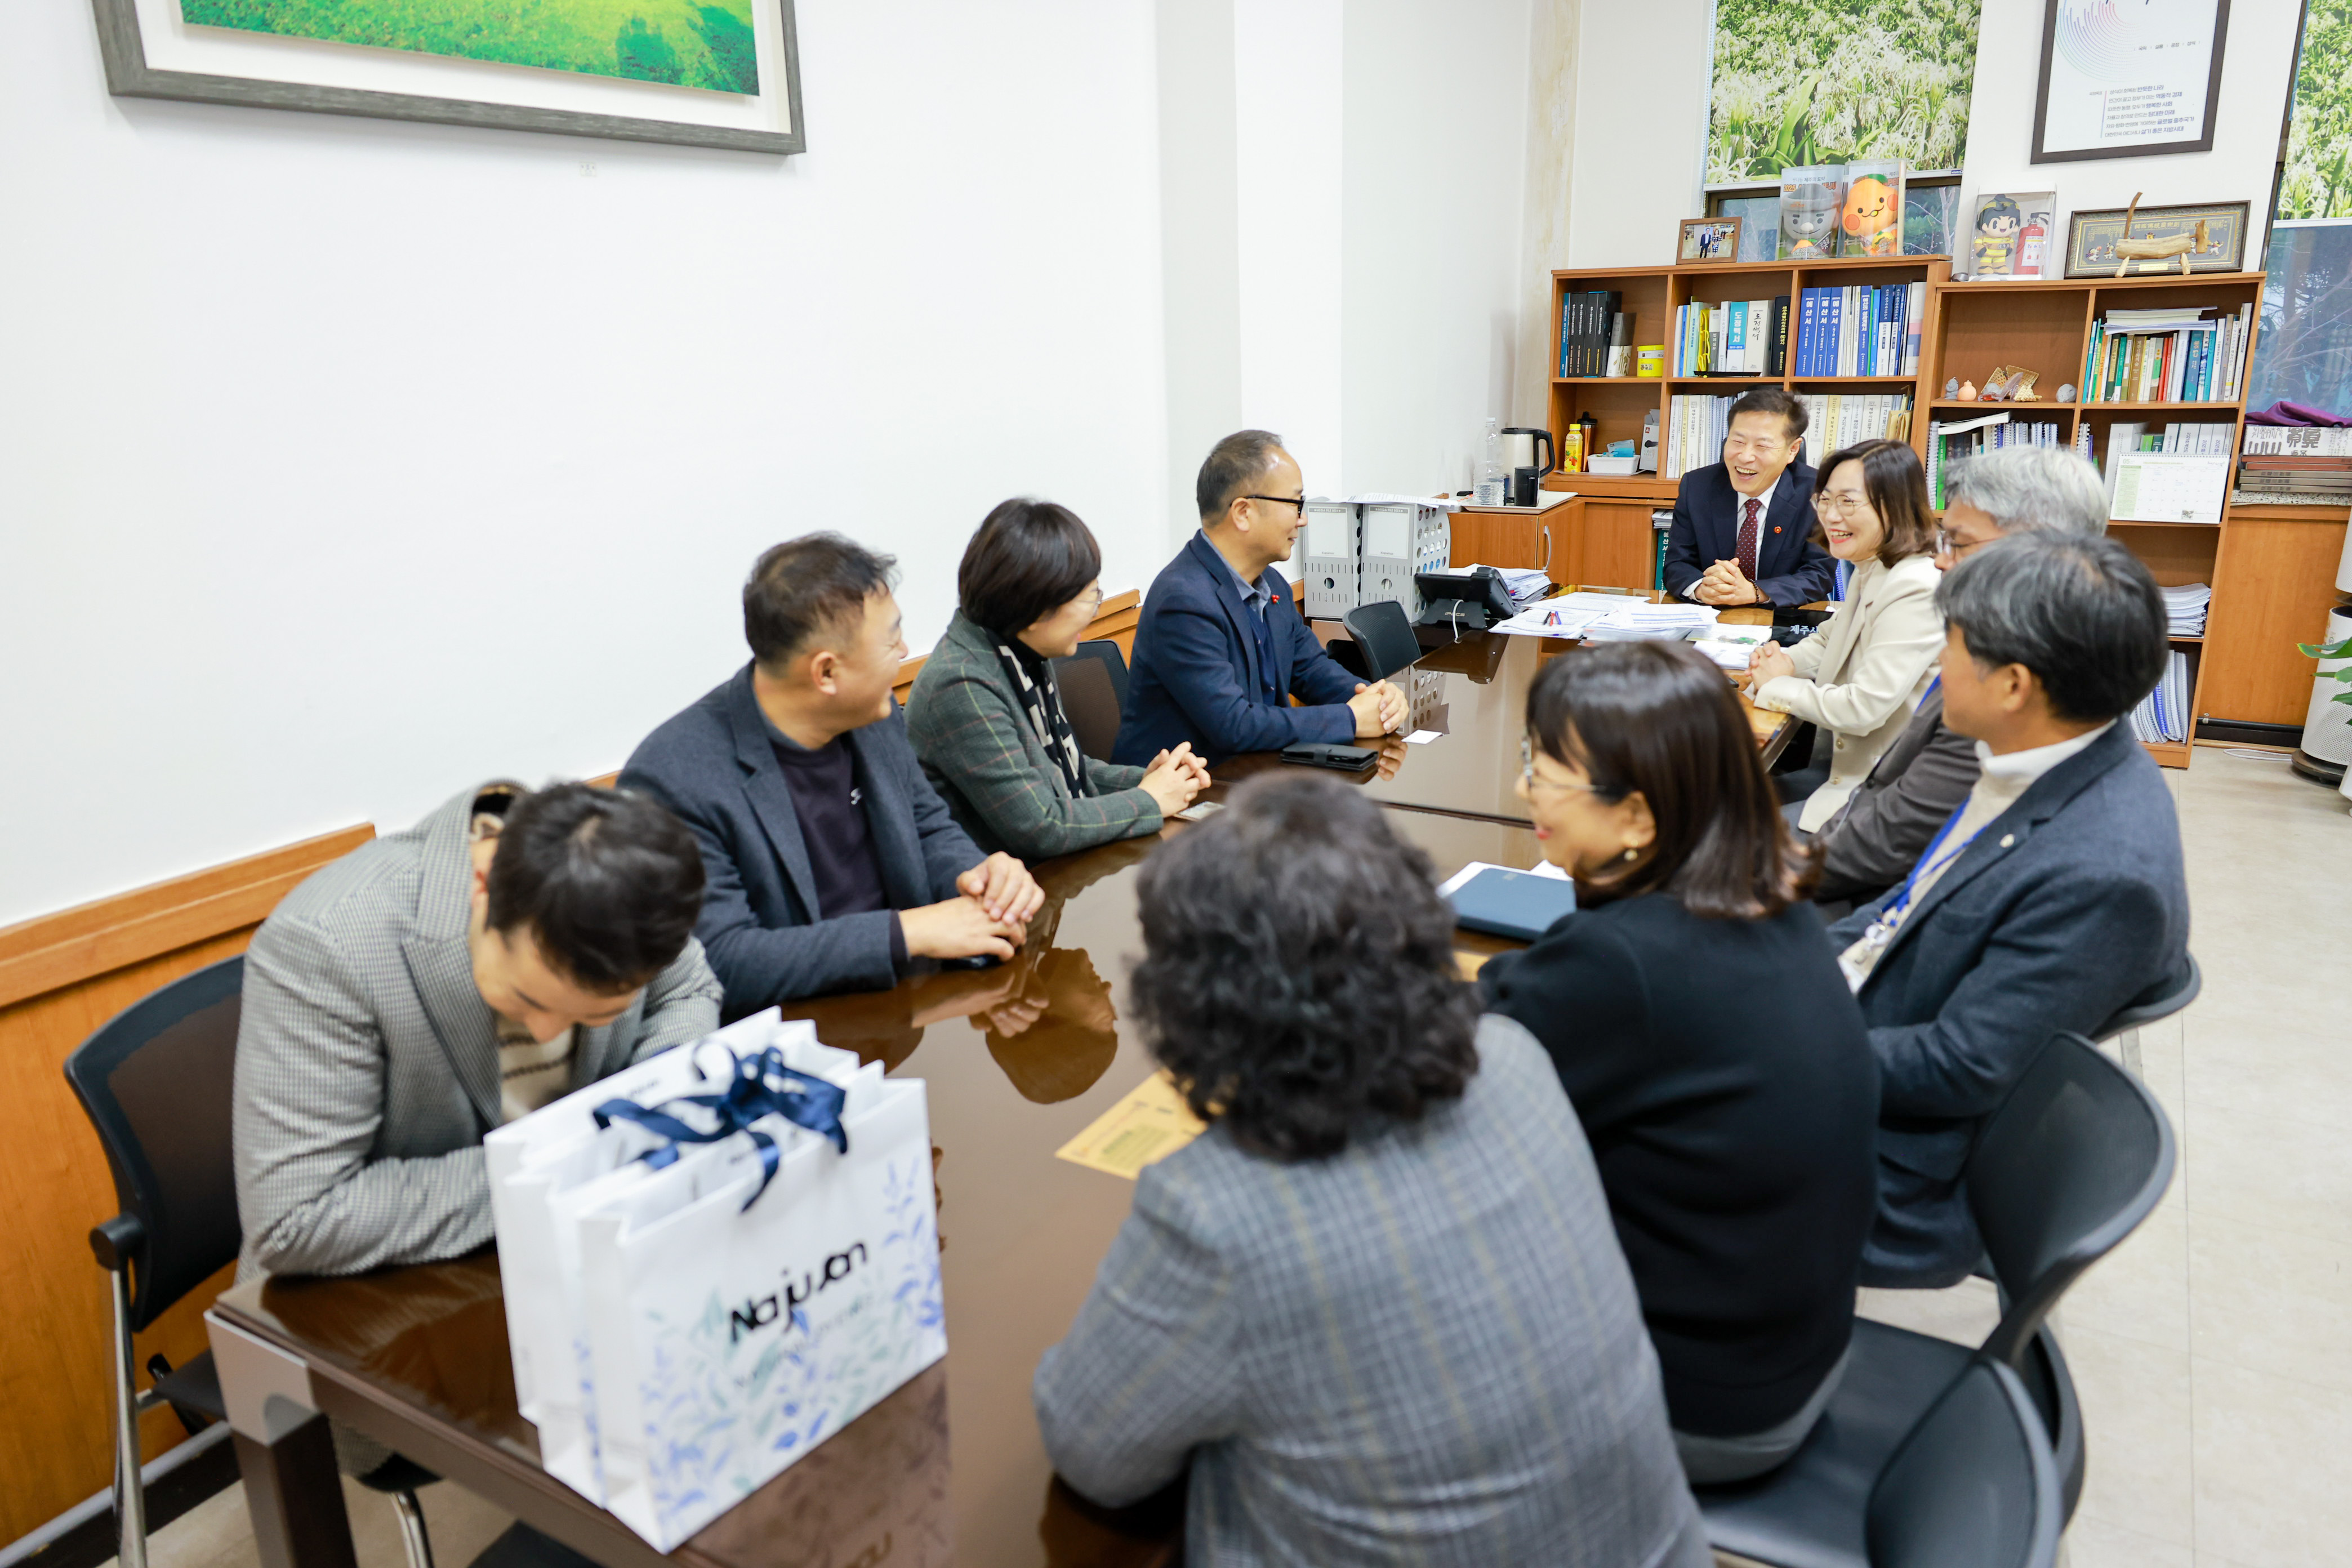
1735 337
2162 715
1695 427
1860 329
1587 324
1957 442
1834 421
2299 440
2183 353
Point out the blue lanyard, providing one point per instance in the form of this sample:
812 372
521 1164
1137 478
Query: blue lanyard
1933 687
1892 914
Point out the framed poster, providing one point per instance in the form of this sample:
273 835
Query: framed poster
700 73
2215 237
2127 80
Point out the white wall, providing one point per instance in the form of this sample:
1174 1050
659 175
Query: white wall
1641 133
344 463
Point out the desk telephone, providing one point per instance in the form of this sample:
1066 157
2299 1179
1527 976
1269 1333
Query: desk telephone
1470 601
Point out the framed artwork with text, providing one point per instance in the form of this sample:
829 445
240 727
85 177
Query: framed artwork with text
699 73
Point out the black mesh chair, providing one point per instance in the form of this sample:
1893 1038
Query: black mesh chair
156 1081
1105 652
1384 632
2070 1165
1973 1485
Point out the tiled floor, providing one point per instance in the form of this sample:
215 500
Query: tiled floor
2213 1349
2212 1352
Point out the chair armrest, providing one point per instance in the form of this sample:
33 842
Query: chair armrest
115 1240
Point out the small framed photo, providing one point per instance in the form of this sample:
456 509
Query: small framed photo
2209 239
1709 239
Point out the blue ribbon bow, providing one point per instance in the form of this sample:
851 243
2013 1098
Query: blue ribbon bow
758 1085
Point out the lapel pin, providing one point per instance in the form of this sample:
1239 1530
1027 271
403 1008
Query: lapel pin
2007 839
1776 528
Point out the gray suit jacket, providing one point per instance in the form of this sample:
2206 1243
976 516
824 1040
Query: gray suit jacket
2067 907
983 756
715 766
1425 1348
367 1062
1884 827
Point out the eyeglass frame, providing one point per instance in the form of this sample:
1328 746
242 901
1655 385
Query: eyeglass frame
1298 502
1528 772
1843 509
1945 544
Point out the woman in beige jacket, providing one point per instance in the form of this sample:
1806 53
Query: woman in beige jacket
1861 676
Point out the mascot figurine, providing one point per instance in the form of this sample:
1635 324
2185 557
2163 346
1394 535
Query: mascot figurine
1872 222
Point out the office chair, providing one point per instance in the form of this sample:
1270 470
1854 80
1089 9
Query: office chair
156 1083
2124 1026
2075 1159
1104 651
1090 702
1384 632
1973 1485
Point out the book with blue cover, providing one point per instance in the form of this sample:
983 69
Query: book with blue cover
1518 904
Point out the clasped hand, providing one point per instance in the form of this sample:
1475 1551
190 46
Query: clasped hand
1726 584
1380 709
1766 664
989 917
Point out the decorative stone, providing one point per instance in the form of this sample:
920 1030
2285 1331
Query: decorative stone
1951 387
1968 392
2066 392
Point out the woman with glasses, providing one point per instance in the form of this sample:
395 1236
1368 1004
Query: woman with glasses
1708 1043
1859 677
986 715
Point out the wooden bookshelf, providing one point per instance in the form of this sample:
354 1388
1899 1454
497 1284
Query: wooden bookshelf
2270 567
1609 523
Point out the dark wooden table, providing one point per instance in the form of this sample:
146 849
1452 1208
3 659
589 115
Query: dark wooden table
950 1470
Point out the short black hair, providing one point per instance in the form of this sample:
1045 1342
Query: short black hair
1777 399
1028 560
608 883
1233 467
807 587
1660 718
1298 978
2080 611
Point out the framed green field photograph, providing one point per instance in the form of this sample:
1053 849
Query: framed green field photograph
710 73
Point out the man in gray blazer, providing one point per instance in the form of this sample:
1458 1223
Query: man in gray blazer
428 986
2055 896
833 863
1879 834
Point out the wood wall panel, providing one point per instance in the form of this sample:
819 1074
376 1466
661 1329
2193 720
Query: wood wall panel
66 974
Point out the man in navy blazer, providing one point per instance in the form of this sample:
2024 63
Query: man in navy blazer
1221 645
2055 897
829 861
1743 530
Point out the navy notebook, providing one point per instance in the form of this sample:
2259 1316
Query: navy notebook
1512 903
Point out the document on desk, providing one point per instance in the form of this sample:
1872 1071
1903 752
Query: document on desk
1152 1123
1422 737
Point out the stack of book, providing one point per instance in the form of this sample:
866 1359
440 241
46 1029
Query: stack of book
1954 443
2185 607
1836 420
1860 331
2163 714
1736 337
1588 322
1695 427
2178 354
2295 464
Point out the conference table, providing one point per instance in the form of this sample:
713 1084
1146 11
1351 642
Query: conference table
1017 1061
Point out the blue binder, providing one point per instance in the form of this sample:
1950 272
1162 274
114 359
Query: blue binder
1517 904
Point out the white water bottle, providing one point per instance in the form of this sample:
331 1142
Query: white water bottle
1493 485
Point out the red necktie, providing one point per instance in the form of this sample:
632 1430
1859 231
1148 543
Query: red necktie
1747 540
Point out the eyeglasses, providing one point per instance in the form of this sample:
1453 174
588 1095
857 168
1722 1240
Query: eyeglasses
1840 503
1952 544
1298 502
1527 774
1092 599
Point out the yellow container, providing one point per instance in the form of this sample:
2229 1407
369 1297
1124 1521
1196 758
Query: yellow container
1650 360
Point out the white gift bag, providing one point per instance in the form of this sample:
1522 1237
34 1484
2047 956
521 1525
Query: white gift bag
735 1325
546 1168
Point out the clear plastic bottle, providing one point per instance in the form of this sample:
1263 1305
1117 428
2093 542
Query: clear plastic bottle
1492 481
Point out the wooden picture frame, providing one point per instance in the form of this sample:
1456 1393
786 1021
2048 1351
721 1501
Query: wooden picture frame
1704 240
2095 33
2091 235
260 70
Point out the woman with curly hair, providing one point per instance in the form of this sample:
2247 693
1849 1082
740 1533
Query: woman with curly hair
1714 1054
1377 1306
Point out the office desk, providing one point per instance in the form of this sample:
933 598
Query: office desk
1473 691
951 1469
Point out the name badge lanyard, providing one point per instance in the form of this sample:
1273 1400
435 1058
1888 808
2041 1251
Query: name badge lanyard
1890 919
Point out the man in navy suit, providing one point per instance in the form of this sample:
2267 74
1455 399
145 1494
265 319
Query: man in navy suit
2053 898
1743 530
1221 645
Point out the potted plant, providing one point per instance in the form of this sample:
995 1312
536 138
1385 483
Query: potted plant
2337 650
